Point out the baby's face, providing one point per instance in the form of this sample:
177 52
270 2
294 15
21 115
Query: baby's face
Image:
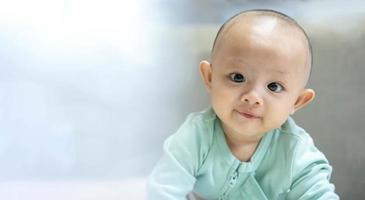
257 78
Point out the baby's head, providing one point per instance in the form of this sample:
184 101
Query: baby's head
260 65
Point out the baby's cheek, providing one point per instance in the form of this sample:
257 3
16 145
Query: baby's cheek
277 118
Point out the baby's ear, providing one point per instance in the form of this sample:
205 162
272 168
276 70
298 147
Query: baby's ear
206 74
306 96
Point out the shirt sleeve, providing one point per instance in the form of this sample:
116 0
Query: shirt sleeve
173 177
311 174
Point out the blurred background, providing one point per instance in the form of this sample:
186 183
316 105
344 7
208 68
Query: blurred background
89 89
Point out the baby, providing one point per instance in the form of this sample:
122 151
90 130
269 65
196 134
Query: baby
246 145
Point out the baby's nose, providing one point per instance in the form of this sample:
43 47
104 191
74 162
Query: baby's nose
252 98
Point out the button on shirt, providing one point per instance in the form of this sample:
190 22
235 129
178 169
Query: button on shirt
285 165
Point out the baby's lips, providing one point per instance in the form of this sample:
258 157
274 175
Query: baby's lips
249 114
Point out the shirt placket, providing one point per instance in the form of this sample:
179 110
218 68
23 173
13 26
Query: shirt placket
231 183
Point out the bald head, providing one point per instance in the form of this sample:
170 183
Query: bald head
266 25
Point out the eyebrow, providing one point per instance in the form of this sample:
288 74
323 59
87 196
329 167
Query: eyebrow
279 71
238 63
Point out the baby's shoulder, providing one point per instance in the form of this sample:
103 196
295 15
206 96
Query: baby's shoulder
193 140
291 132
300 147
200 121
197 128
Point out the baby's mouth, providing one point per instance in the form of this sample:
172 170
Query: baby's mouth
248 115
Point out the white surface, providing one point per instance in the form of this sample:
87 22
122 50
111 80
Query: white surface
133 189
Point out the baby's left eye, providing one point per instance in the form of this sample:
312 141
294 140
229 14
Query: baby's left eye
275 87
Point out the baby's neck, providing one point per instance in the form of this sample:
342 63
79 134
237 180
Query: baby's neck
242 151
242 146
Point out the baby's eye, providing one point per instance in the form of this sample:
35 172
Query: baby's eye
275 87
236 77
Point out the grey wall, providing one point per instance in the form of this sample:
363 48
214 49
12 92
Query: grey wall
87 96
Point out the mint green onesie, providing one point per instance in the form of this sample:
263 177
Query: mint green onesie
286 165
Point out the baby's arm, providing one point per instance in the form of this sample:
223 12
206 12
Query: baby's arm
174 175
311 173
171 178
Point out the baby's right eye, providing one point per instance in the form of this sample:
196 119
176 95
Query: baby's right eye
237 77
